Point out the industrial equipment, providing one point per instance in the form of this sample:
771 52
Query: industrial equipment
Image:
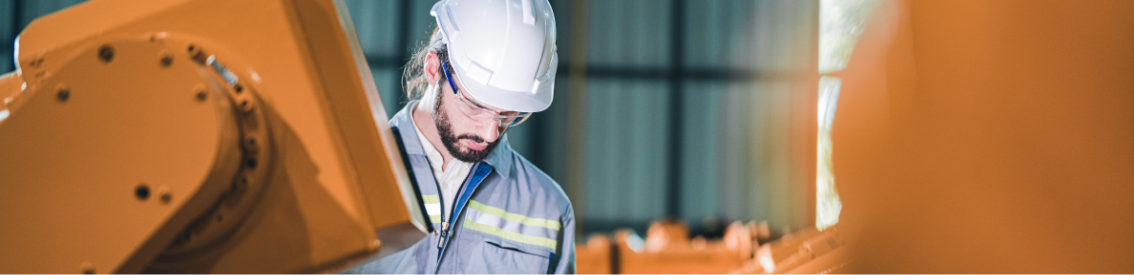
744 249
197 136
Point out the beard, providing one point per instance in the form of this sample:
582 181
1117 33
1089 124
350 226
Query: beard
452 141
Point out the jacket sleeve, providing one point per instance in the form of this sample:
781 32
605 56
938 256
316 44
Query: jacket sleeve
565 258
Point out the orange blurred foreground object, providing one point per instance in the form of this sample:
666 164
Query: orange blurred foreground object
205 136
989 137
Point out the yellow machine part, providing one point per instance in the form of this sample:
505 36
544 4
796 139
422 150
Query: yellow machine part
212 137
95 169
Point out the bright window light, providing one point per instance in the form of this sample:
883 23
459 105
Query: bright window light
827 198
840 24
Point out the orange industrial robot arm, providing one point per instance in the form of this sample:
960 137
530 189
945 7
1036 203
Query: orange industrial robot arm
196 137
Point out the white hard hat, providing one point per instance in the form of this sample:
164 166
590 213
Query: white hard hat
502 51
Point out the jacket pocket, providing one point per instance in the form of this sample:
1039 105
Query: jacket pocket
505 257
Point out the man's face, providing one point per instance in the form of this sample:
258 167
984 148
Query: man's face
466 139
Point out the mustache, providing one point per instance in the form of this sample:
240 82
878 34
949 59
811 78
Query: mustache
472 137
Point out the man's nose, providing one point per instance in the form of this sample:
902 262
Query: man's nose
490 130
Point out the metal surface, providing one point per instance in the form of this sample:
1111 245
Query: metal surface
107 160
83 149
211 229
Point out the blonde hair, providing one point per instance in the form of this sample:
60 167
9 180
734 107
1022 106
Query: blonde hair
413 76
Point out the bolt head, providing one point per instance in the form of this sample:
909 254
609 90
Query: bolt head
164 194
106 53
242 183
200 92
62 92
142 192
246 105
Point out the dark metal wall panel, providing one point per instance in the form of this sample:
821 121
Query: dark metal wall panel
628 150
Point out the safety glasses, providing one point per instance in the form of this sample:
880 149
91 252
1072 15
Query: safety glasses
478 112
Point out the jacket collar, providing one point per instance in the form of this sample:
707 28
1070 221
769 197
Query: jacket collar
500 159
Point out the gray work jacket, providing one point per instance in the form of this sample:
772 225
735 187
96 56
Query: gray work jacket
509 217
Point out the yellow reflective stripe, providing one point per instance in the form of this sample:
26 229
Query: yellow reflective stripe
508 235
434 202
525 220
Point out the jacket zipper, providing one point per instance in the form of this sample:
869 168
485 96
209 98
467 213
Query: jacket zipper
452 212
441 199
456 212
444 229
444 223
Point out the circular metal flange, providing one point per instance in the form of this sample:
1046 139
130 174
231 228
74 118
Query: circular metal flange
115 143
228 213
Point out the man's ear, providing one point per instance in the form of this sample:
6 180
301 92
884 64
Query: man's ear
431 67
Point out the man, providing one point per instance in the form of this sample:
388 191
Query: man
487 67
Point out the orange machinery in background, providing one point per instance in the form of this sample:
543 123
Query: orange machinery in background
195 137
745 248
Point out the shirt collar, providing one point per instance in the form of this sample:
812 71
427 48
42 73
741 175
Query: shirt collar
500 158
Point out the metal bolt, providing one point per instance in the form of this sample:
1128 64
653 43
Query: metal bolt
36 61
200 92
166 195
196 55
242 183
62 92
106 53
246 105
251 144
166 60
158 37
142 192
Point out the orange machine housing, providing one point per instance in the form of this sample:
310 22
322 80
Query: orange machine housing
195 137
989 137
